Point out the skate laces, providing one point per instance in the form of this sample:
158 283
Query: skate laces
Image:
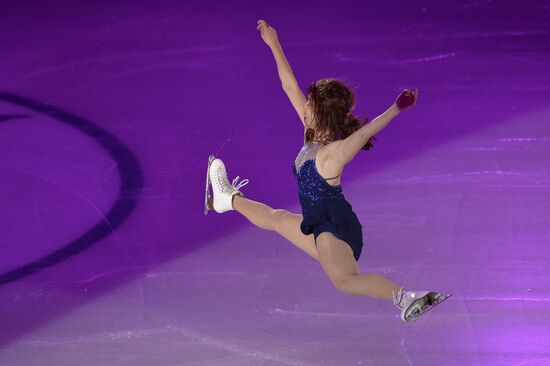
222 175
398 297
242 183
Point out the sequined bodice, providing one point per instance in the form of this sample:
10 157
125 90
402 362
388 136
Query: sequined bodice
312 187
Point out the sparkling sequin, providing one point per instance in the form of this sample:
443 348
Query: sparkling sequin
312 187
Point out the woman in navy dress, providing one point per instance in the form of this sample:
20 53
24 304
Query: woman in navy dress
327 229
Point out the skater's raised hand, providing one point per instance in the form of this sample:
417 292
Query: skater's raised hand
268 33
406 99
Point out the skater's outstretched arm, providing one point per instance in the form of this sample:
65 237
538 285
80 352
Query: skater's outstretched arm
288 80
345 150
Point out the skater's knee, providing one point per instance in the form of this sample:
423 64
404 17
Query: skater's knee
279 212
345 284
277 218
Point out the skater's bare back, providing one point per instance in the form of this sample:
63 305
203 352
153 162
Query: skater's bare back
328 165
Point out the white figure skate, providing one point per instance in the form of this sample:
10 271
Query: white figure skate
414 304
223 192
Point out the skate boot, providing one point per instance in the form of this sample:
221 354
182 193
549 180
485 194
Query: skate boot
216 179
413 304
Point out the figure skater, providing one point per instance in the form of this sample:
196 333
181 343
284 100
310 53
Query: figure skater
332 138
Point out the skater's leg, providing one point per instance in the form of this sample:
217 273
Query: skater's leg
336 258
285 223
256 212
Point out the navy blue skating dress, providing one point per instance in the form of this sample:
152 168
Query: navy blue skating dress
324 207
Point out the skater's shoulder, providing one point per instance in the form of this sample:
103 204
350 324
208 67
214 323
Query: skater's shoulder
330 148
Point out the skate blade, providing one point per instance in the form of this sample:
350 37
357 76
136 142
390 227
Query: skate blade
433 299
208 201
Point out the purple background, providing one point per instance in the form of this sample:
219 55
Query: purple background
107 256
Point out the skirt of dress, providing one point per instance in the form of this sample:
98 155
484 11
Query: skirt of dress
337 217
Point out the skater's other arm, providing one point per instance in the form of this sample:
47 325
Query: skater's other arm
288 80
345 150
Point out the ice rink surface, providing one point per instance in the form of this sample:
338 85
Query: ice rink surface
109 110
